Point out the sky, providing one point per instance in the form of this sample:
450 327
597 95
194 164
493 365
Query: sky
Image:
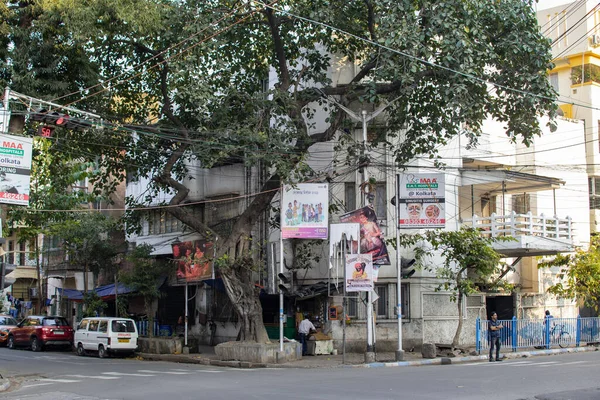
544 4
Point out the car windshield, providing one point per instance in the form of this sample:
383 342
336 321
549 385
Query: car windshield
55 322
123 326
8 321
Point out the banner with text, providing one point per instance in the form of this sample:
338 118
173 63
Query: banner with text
15 169
422 202
359 273
304 211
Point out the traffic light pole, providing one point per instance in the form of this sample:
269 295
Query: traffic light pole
399 352
281 272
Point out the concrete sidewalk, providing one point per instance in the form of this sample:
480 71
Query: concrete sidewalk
351 360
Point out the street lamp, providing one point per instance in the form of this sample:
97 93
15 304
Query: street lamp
365 117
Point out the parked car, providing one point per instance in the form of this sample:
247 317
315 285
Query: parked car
6 324
38 331
106 335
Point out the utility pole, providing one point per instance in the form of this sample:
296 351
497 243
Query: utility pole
364 117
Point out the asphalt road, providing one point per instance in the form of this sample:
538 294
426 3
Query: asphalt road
64 376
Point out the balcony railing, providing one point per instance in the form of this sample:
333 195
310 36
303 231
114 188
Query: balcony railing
523 224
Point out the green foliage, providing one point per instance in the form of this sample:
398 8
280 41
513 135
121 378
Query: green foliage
188 77
144 275
93 305
579 275
469 263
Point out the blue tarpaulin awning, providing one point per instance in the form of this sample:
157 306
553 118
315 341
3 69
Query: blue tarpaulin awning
105 292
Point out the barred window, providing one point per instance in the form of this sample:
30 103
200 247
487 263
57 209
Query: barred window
160 221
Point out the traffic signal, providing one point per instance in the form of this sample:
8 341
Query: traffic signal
405 267
285 282
57 119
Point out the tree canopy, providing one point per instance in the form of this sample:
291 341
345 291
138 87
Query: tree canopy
197 83
469 263
579 275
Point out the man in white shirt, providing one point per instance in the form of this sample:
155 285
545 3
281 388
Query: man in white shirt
304 328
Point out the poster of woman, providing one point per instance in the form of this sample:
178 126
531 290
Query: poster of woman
372 240
194 260
304 211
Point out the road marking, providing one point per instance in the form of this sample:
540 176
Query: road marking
125 374
572 362
38 384
93 377
147 371
520 362
58 380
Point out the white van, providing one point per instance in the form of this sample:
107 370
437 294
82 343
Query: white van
106 335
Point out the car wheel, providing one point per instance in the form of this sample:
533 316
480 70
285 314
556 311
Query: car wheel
80 350
11 342
36 345
102 352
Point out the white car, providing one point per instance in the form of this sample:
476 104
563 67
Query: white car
106 335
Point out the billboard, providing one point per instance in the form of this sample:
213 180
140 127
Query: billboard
194 260
359 273
15 168
304 211
372 239
422 202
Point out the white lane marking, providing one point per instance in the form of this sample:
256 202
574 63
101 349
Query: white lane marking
548 363
520 362
125 374
92 377
58 380
38 384
572 362
147 371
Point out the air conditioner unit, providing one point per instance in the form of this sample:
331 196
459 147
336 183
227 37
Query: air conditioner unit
595 40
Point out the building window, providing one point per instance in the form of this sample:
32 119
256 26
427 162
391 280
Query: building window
594 189
381 305
554 81
22 253
350 196
405 294
521 203
585 73
380 202
160 222
11 252
352 306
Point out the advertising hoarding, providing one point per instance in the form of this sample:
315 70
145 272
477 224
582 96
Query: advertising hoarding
422 202
15 169
304 211
359 273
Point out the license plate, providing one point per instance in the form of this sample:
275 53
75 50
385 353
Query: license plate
59 332
123 340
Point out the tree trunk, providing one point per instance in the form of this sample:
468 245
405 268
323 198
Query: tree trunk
456 339
244 297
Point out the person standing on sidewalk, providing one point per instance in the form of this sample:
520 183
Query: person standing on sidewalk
304 328
494 327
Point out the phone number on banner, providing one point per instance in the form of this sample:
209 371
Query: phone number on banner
14 196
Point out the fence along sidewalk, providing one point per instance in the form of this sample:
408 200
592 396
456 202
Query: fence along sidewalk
540 333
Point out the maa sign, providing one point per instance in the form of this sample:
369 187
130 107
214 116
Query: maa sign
422 201
15 168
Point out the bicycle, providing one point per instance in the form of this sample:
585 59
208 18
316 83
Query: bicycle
560 336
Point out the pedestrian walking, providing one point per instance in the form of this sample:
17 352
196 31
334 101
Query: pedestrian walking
494 327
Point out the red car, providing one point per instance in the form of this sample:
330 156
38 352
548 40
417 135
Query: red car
6 324
38 331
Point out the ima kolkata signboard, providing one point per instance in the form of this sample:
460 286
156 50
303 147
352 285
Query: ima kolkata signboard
422 202
15 169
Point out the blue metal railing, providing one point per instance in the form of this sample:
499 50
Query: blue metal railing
540 333
142 327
